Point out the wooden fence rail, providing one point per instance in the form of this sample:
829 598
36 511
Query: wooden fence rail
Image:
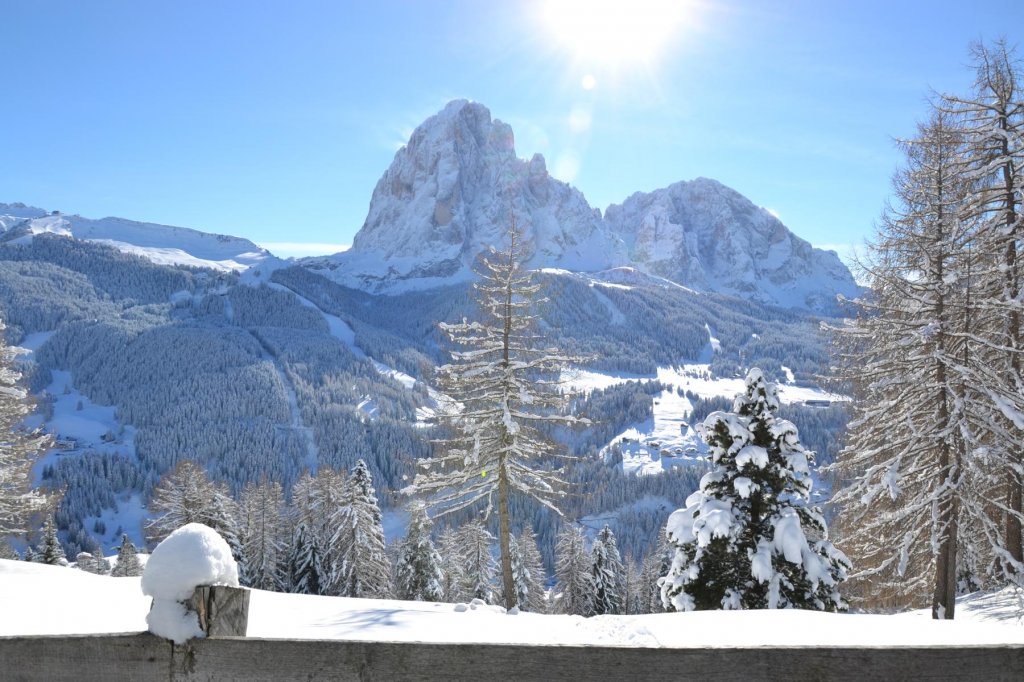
144 657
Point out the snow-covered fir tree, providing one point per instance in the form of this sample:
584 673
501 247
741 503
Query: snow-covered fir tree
528 573
749 537
364 569
51 551
499 379
476 544
315 500
655 565
18 448
575 584
634 592
304 567
223 518
127 565
99 562
452 568
607 574
418 574
7 551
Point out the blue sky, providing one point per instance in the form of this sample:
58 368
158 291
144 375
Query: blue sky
274 120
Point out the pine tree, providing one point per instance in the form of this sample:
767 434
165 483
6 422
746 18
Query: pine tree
418 574
478 562
528 573
304 569
52 553
501 380
222 516
128 565
18 448
315 501
635 593
452 568
749 538
575 585
100 564
655 565
364 567
606 572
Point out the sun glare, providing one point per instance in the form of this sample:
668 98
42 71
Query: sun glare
614 34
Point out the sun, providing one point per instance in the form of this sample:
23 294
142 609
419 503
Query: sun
613 35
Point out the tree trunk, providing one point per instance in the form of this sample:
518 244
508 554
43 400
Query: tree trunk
1011 295
504 524
944 599
505 533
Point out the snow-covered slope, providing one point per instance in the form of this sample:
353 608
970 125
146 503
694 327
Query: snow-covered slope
159 243
710 237
451 192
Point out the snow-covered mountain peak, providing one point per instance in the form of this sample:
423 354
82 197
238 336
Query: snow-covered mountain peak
710 237
451 192
453 189
159 243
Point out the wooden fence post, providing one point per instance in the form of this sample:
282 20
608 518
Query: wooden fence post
223 611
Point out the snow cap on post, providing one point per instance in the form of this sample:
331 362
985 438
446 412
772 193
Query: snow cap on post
191 556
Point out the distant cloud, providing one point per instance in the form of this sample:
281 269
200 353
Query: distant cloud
773 212
303 249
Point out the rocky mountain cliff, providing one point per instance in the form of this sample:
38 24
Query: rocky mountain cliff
450 193
710 237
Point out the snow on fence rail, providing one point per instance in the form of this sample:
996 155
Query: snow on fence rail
145 657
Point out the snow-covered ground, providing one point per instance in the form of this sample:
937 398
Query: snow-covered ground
50 600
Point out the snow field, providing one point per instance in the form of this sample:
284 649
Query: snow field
50 600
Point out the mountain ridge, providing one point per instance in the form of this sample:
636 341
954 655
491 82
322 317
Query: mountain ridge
162 244
453 189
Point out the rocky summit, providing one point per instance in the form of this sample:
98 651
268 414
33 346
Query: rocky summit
451 192
453 189
709 237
